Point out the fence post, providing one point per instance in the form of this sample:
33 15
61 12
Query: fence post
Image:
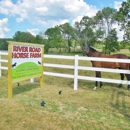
0 65
76 73
32 80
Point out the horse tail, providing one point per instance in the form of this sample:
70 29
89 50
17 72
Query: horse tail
129 63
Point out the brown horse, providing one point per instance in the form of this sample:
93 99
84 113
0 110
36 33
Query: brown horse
91 52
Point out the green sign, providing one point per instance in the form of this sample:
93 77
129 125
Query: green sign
28 69
26 61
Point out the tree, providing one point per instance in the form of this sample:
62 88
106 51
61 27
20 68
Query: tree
98 27
77 34
99 35
67 33
39 39
3 43
87 33
112 43
123 18
105 19
24 37
54 37
77 28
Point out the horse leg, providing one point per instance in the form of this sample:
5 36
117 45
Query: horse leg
100 81
128 78
122 78
96 82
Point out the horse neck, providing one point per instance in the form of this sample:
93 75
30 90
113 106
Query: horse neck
94 54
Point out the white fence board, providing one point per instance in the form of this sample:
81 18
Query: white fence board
59 66
104 59
60 57
3 68
104 69
59 75
104 80
3 60
3 52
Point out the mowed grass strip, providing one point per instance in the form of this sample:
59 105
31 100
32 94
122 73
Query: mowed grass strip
106 108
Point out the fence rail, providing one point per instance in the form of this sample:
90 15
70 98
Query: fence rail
3 60
76 67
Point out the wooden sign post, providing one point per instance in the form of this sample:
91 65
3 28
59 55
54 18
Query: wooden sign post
25 61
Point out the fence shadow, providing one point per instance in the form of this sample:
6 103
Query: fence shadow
85 84
118 102
24 88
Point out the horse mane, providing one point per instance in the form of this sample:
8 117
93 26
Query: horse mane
93 50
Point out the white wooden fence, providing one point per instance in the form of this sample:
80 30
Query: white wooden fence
3 60
76 67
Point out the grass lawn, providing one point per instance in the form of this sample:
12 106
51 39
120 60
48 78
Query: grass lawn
107 108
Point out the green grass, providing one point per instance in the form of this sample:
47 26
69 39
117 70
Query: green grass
85 109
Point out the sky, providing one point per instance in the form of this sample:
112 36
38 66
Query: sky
37 16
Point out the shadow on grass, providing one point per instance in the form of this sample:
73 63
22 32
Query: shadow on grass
85 84
119 102
24 88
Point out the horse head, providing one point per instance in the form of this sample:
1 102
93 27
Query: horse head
85 49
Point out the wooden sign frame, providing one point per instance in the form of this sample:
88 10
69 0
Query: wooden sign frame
29 49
